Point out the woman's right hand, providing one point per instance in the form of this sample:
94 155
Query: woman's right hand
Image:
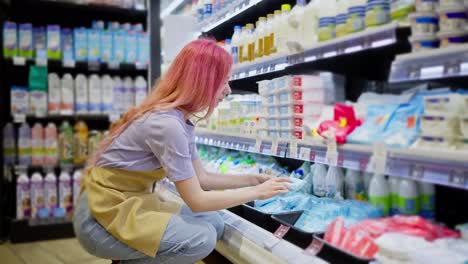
272 187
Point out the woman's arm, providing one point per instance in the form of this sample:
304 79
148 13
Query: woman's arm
216 181
202 201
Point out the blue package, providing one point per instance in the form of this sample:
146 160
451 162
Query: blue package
107 46
297 184
80 44
98 24
67 45
143 48
377 119
131 47
40 43
94 45
404 126
119 38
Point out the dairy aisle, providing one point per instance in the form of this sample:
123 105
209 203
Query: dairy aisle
363 104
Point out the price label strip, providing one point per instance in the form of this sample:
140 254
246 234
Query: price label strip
19 61
258 145
304 153
275 147
293 149
278 236
314 248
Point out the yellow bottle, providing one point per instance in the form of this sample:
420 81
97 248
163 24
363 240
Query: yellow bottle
250 40
242 50
273 36
259 34
80 143
266 37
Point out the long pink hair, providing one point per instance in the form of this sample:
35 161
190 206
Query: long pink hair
190 85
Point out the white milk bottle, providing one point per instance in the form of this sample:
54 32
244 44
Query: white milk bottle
67 95
94 92
81 94
37 144
54 93
37 194
107 94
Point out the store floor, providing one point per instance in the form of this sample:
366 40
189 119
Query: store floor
65 251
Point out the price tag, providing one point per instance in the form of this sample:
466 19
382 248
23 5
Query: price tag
304 153
293 149
353 49
464 68
432 72
274 147
259 70
414 73
41 62
458 178
351 164
279 234
19 118
19 61
310 58
69 64
258 145
331 156
440 176
363 164
452 69
417 172
272 67
314 248
330 54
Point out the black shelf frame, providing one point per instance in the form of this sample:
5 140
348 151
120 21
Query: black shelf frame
67 15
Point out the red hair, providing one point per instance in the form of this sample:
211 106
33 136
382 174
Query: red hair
190 85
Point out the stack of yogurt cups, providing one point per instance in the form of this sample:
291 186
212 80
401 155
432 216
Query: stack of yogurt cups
439 23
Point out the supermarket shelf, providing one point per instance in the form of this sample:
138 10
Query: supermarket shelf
431 64
446 168
351 46
79 66
245 242
20 118
41 229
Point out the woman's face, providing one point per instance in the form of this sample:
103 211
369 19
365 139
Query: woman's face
223 92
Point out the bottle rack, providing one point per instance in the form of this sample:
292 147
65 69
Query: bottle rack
65 14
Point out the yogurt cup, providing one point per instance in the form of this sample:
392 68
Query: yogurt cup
423 23
426 5
356 19
452 18
424 42
453 38
285 133
377 13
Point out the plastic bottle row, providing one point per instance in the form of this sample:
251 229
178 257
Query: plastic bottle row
39 197
129 4
118 43
392 196
291 31
82 94
45 146
204 10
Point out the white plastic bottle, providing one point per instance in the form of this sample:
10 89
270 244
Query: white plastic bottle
342 17
327 20
81 94
243 48
310 23
67 95
77 176
23 197
274 32
394 183
141 90
94 92
129 88
283 29
379 193
119 96
296 26
107 96
249 43
9 146
37 194
258 37
50 145
65 193
50 192
54 93
319 180
267 35
427 200
37 144
408 197
354 185
24 144
335 183
235 44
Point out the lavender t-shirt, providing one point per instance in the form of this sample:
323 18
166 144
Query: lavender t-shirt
158 139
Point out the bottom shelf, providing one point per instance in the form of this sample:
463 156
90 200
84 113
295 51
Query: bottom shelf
29 230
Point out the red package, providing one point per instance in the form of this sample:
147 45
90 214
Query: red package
374 228
343 123
335 231
365 247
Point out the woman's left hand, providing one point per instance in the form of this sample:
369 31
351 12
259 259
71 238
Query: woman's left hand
257 179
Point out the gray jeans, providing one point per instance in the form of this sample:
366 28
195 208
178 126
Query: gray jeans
189 237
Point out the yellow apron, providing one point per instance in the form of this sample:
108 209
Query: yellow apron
123 203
